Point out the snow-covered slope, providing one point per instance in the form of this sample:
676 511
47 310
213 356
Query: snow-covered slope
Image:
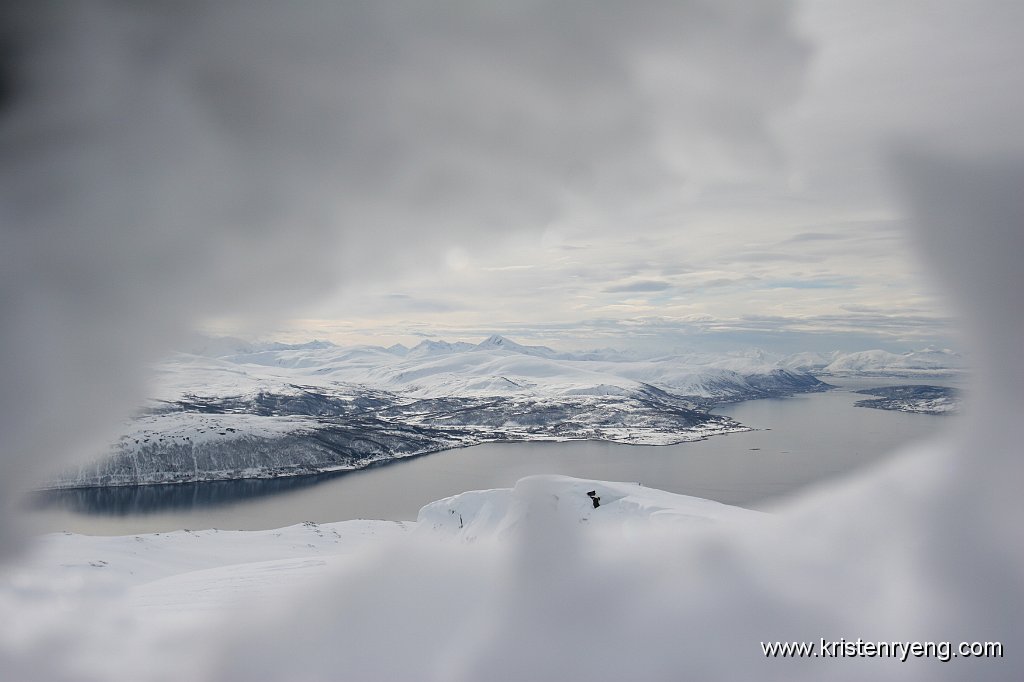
501 513
197 571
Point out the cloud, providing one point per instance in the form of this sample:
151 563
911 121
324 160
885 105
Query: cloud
817 237
806 283
640 286
761 257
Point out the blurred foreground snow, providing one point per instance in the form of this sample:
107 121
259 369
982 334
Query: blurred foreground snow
183 586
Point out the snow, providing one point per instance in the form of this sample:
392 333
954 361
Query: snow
883 362
496 366
271 409
913 398
195 573
927 361
503 512
137 560
198 428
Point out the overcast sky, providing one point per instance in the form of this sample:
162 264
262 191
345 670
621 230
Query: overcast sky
617 183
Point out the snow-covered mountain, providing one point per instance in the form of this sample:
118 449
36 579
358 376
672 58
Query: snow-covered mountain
498 342
428 348
261 410
878 362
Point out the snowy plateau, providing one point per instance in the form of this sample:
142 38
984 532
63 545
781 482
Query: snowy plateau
229 409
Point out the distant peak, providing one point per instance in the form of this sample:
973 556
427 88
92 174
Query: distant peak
497 340
397 349
431 347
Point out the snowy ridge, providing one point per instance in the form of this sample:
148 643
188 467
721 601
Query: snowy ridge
501 513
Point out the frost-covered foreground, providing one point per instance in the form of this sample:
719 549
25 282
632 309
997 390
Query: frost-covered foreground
411 591
196 572
529 583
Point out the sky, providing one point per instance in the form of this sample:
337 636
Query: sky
707 175
717 193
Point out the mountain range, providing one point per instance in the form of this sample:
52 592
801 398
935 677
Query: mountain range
231 409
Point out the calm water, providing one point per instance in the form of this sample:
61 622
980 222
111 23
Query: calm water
802 440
